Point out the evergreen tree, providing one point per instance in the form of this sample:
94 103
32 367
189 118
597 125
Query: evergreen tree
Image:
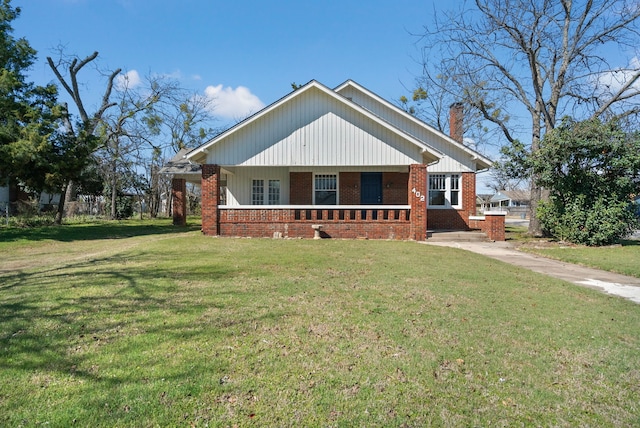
29 151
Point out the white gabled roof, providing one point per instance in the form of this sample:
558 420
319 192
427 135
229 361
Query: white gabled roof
481 161
429 153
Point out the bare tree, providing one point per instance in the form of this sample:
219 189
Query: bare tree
431 101
547 58
188 119
129 132
66 71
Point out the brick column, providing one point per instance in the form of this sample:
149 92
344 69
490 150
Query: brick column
179 202
210 199
495 225
418 194
468 196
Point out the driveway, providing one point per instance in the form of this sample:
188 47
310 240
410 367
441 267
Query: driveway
612 283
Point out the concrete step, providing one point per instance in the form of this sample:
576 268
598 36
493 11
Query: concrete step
457 236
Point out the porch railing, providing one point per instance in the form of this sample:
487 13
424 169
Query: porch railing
315 213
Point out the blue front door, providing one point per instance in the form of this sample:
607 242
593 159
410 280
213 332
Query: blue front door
371 188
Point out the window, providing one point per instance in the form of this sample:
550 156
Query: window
258 192
437 189
444 190
274 192
223 189
326 189
455 189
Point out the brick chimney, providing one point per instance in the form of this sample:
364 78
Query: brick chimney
456 118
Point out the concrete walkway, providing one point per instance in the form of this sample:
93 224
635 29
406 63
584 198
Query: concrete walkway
612 283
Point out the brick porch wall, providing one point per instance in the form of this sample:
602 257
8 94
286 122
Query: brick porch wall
265 223
491 223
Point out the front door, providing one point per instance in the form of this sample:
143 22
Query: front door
371 185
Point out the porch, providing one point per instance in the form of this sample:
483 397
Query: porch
345 221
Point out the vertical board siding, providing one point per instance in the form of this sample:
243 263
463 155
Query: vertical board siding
314 129
455 158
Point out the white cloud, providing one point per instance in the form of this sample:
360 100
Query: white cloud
129 80
232 103
612 81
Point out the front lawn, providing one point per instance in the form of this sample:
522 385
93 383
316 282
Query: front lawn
167 327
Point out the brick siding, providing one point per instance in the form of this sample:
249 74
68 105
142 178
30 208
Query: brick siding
394 188
300 188
349 188
456 219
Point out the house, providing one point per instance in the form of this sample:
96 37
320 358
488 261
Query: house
483 202
512 202
343 162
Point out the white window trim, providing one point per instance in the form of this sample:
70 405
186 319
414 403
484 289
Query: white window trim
447 192
265 192
337 185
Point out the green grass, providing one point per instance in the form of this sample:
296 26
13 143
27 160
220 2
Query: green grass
135 325
623 258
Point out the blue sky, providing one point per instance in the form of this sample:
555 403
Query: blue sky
245 53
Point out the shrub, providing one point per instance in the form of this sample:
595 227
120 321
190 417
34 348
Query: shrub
591 170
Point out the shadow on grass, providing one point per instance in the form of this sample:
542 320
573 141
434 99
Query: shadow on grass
91 231
89 307
630 242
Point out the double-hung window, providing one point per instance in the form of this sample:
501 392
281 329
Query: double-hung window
265 192
326 189
455 190
444 190
437 189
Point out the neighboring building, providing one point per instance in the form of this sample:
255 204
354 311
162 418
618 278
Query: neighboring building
513 202
344 161
510 198
483 203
